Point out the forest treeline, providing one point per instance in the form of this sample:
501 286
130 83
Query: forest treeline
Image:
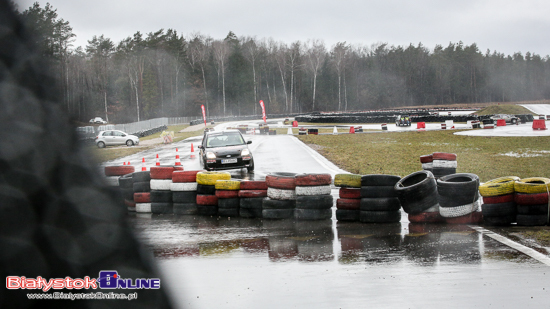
168 74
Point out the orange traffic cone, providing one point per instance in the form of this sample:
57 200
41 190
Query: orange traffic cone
143 168
192 156
123 163
178 162
351 130
158 162
128 163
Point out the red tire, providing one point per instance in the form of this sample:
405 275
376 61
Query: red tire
444 156
253 185
207 200
350 193
426 159
142 197
530 199
313 179
119 170
472 218
348 203
285 181
164 172
506 198
227 193
426 217
252 193
185 176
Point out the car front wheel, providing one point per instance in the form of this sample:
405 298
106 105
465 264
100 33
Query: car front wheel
101 145
129 143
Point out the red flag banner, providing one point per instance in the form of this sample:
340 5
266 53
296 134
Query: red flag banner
203 115
263 110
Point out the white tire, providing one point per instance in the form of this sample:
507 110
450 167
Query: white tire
143 207
281 194
112 181
313 190
427 166
161 184
131 209
444 164
459 211
183 186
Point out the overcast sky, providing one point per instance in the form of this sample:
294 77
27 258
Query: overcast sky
501 25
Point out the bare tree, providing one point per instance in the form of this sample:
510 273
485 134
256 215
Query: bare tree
280 56
199 47
316 54
251 52
339 52
293 64
221 53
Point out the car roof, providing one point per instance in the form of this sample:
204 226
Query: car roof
222 132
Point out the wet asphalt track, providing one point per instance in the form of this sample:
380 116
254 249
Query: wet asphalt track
245 263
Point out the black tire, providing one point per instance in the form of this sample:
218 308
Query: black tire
250 212
457 200
126 181
347 215
141 176
379 216
541 209
161 196
129 143
162 208
496 221
277 213
100 145
314 202
531 220
206 189
227 203
379 180
443 171
380 204
251 202
143 186
250 169
457 189
499 210
204 210
184 197
417 192
312 214
127 194
185 208
228 212
278 204
514 121
378 192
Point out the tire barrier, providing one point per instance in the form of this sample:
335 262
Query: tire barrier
498 186
251 207
285 181
253 185
228 197
380 204
427 162
142 176
312 190
377 191
312 214
142 197
112 181
206 189
417 192
532 185
143 207
439 163
252 193
161 184
347 180
228 185
348 204
185 176
119 170
162 207
184 192
314 202
281 194
377 180
130 205
347 215
144 186
313 179
183 186
350 193
499 207
532 197
223 194
458 195
210 178
163 171
426 217
207 200
498 199
187 197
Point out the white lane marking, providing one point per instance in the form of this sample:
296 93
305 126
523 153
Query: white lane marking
320 159
512 244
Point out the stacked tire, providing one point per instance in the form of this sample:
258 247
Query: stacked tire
531 197
281 196
126 184
427 163
458 197
142 191
227 192
348 204
252 195
207 201
417 194
444 164
113 173
499 207
184 192
161 193
313 197
379 202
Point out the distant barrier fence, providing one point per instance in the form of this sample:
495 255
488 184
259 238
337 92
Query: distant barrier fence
140 128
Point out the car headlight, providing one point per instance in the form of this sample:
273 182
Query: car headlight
210 155
245 152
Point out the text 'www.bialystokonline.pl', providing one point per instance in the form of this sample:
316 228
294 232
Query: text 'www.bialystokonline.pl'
76 296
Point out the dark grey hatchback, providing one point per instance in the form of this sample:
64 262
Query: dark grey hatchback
223 150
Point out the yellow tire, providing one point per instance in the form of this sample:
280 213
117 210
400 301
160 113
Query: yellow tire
532 185
210 178
347 180
228 185
498 186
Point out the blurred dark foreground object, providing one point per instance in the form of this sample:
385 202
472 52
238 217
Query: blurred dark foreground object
57 218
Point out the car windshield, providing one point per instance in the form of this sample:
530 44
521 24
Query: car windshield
225 139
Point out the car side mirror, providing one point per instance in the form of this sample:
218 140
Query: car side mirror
200 147
249 142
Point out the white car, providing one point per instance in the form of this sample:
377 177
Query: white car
115 137
98 120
